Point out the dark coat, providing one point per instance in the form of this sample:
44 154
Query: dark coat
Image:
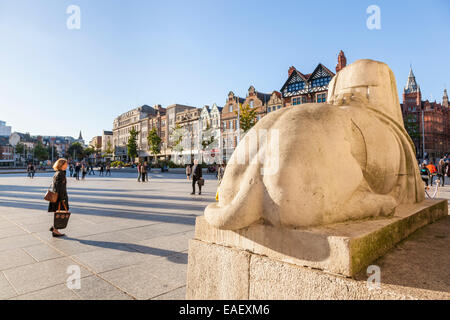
59 186
441 169
197 172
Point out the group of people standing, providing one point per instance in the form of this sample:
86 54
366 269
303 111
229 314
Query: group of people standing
429 171
104 167
85 169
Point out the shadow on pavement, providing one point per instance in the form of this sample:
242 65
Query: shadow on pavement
173 256
188 219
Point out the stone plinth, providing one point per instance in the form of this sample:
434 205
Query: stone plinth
261 262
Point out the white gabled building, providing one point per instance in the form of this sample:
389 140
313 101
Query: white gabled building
211 137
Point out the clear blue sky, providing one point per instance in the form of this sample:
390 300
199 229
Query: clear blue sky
55 81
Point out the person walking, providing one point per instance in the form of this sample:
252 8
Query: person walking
144 172
220 172
432 169
83 171
197 177
188 172
425 174
32 170
139 172
108 169
441 172
71 170
59 186
77 171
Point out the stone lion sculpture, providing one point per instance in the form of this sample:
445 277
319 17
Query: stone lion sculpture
348 159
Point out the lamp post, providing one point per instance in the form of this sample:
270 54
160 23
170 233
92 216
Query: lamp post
423 136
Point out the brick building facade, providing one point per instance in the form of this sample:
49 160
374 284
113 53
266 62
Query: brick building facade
428 123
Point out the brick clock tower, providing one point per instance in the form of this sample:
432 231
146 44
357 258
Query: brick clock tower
412 97
427 122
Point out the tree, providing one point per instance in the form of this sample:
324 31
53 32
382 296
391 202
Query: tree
154 142
20 148
176 137
132 150
207 142
412 127
88 151
247 117
109 149
98 147
40 152
76 150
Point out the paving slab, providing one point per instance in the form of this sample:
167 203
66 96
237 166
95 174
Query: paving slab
95 288
41 275
58 292
170 243
6 289
42 252
138 282
14 258
177 294
11 231
17 242
107 259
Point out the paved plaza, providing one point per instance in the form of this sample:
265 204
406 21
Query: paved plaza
129 239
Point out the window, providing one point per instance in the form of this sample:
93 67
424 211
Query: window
296 101
321 98
279 107
231 124
320 82
296 86
269 109
230 108
251 104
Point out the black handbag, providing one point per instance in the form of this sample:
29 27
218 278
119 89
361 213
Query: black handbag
61 218
201 182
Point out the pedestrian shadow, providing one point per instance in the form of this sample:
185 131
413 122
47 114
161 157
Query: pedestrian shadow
173 256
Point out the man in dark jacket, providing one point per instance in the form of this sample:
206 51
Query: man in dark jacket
196 177
77 171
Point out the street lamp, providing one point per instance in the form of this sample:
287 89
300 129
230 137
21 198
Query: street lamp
423 136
